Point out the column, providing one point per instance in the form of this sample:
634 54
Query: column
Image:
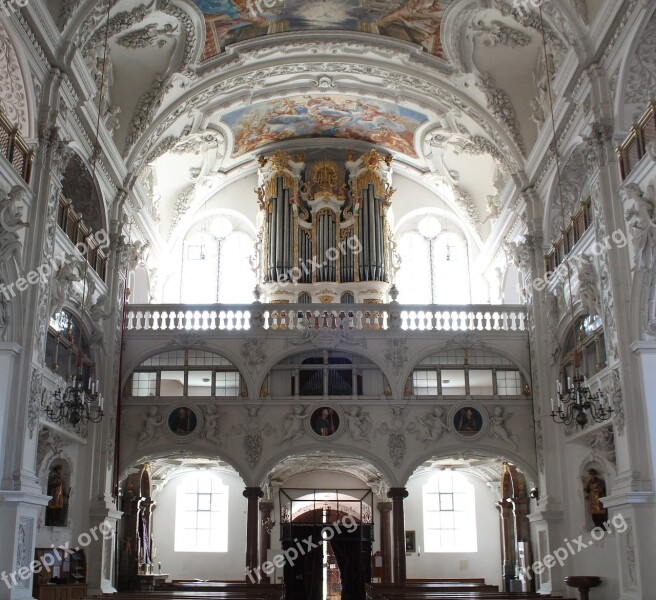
384 509
398 535
506 541
252 494
266 525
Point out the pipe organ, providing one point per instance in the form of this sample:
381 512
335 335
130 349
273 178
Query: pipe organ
324 228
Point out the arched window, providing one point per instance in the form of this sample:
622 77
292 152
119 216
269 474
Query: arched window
305 298
185 373
461 372
587 340
216 265
347 298
201 514
67 350
449 513
434 265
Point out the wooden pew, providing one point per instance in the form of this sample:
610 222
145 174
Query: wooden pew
444 590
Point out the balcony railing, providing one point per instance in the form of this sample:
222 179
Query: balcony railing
301 317
14 148
73 225
635 145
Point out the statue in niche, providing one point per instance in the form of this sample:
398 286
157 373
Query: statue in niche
152 421
57 508
640 217
595 490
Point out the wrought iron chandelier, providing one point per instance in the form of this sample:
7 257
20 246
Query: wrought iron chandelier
578 403
76 403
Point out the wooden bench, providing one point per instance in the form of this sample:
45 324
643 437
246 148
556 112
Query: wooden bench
444 590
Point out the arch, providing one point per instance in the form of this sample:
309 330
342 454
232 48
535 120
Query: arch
261 476
574 177
623 120
127 466
462 449
83 190
17 97
128 372
299 351
519 362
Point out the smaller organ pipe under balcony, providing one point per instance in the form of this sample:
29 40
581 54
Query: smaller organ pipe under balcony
324 228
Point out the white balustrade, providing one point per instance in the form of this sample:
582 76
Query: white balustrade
303 317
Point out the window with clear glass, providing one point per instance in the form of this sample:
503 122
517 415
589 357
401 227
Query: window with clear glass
201 515
434 265
144 384
425 383
193 373
462 372
216 265
227 383
449 505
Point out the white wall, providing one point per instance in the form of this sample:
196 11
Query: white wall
200 565
484 563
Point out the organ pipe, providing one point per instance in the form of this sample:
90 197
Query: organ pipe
343 227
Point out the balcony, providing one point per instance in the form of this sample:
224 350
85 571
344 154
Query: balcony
308 317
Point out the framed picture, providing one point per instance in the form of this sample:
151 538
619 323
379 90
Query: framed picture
468 421
324 421
182 421
410 541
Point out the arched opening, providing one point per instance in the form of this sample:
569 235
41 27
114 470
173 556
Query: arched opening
183 519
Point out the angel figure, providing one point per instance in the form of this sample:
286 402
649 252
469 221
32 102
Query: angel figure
292 424
588 292
358 424
435 425
500 427
11 221
211 433
98 312
152 421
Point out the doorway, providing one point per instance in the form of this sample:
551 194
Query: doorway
334 529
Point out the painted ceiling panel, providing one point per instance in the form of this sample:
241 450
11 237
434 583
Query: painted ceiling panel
231 21
337 116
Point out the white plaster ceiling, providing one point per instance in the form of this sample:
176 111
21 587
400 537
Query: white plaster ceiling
455 113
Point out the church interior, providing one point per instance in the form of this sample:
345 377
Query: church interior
327 300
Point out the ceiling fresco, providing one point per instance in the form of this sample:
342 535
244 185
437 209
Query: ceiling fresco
231 21
377 122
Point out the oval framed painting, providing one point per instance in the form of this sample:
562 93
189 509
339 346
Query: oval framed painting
325 422
183 421
468 421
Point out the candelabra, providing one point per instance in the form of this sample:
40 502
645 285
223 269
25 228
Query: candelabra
578 403
75 403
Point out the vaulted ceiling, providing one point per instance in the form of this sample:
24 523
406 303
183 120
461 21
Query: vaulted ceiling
194 91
